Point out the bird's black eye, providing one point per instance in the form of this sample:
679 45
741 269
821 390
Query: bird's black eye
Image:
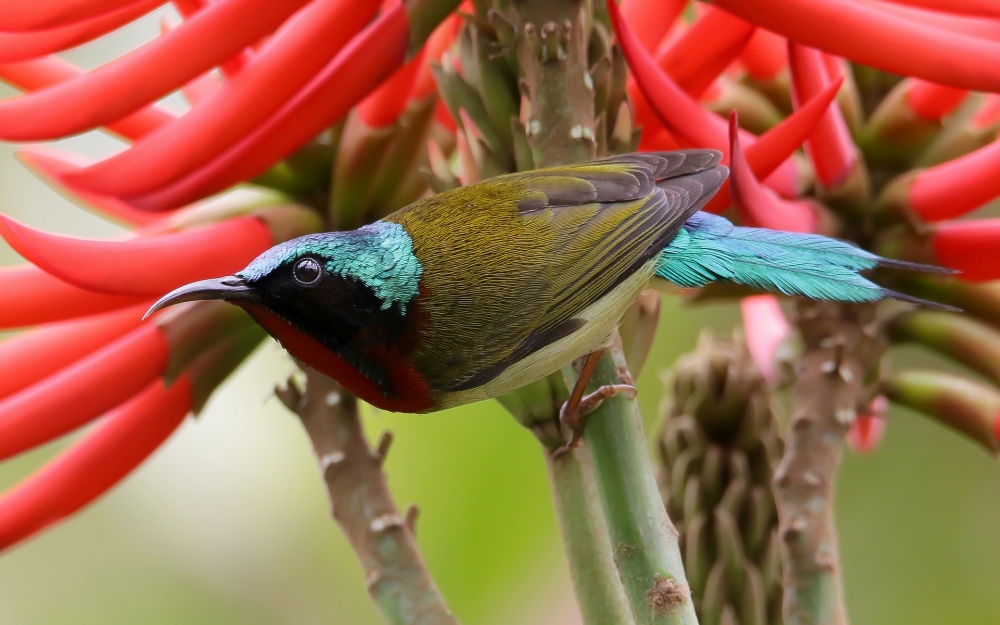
307 271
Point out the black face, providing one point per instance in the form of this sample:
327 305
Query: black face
342 313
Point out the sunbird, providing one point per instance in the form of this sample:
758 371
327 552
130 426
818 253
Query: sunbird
478 291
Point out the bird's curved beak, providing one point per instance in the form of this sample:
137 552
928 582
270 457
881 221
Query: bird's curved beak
227 288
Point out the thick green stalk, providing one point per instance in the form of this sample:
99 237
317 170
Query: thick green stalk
643 538
599 591
551 40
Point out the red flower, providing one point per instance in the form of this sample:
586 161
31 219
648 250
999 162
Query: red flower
292 70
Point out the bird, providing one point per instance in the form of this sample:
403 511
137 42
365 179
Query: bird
475 292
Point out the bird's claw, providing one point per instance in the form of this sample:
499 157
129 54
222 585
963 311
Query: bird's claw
572 416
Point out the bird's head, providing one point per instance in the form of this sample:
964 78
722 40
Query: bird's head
327 285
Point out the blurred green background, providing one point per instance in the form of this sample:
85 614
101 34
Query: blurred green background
228 523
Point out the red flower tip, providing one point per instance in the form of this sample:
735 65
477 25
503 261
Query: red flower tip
143 266
29 296
757 206
34 355
878 34
51 71
958 186
712 43
866 432
830 147
83 391
650 20
52 166
284 66
25 45
116 89
776 146
90 467
360 67
931 101
766 327
970 247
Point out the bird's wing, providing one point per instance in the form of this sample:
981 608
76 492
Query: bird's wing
508 263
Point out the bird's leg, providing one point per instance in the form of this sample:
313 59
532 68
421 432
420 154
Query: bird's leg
579 405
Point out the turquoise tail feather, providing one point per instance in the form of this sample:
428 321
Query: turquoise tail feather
711 249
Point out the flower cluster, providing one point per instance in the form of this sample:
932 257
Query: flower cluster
336 112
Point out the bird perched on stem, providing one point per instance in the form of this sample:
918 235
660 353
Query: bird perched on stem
475 292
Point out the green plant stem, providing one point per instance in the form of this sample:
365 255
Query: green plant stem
599 592
643 539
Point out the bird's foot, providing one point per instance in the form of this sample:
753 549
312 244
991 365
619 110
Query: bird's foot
571 414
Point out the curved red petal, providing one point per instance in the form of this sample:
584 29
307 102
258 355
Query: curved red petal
230 67
52 166
83 391
987 29
932 101
21 16
775 146
958 186
678 112
871 35
650 20
657 140
144 266
765 55
437 44
766 327
29 296
51 70
356 71
830 147
978 8
36 354
293 56
383 106
757 206
712 43
22 46
90 467
970 247
124 85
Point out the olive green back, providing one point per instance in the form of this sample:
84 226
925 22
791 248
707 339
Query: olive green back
508 262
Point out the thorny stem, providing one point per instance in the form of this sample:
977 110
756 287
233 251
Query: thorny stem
362 504
841 347
642 536
552 37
